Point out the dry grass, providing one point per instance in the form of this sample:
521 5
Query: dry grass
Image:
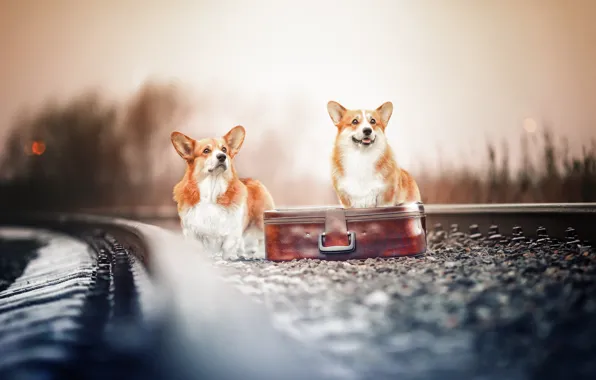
102 154
550 175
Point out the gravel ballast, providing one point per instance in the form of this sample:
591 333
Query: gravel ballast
470 308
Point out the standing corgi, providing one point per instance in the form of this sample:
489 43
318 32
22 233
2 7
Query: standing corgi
222 212
364 170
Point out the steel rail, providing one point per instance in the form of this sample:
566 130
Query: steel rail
555 217
207 328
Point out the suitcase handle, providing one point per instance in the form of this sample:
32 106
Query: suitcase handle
338 248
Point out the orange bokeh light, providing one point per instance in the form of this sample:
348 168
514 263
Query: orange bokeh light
38 147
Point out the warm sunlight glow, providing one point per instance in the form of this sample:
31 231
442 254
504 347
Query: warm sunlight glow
273 67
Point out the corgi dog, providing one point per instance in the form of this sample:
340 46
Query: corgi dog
221 211
364 171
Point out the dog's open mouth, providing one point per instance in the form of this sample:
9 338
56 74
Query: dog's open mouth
364 141
221 165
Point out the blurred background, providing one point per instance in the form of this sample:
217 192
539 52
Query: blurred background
493 99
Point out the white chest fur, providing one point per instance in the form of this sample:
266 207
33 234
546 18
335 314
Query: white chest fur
217 228
361 180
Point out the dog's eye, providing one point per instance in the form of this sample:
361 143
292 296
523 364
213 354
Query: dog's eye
355 121
223 149
206 150
373 121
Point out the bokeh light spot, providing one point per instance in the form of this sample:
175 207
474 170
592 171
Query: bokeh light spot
530 125
38 147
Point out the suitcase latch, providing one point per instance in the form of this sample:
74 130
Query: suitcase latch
338 248
336 228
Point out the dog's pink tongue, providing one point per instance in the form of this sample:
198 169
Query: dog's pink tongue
366 140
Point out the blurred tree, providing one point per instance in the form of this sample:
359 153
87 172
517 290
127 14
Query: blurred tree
151 115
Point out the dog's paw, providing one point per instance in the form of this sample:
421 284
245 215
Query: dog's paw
230 257
255 253
259 254
232 248
255 248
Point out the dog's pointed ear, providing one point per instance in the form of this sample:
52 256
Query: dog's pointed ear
336 111
184 145
385 110
234 138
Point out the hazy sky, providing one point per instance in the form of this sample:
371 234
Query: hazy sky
457 71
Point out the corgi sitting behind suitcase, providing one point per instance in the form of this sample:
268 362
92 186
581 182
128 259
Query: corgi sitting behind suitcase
364 170
222 212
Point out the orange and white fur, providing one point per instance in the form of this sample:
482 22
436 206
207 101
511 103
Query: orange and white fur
364 170
220 211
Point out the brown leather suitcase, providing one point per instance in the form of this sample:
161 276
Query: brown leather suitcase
335 233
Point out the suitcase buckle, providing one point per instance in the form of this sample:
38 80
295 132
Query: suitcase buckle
338 248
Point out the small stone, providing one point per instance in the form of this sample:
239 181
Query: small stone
483 313
550 271
503 299
377 298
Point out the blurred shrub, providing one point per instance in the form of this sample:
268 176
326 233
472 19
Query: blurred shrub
81 162
149 118
556 177
94 153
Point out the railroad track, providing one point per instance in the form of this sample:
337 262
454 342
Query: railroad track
87 297
528 219
129 300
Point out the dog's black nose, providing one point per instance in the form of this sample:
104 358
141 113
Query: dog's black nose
367 131
221 157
